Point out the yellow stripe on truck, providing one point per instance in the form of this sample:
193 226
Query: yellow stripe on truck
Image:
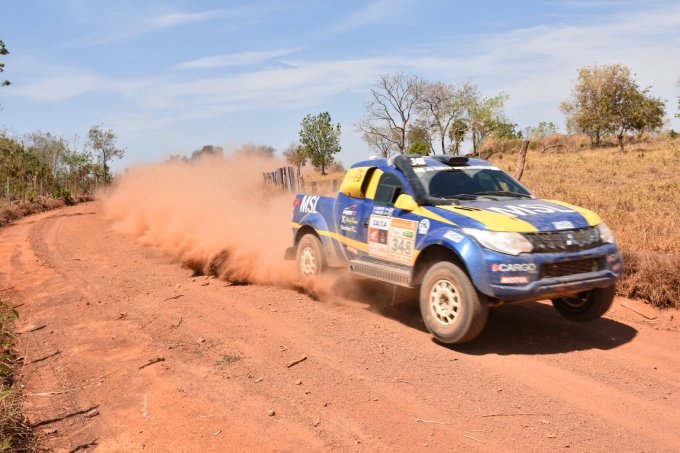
345 240
424 212
592 218
351 242
494 221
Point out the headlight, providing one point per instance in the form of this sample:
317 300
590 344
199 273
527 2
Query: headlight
605 233
500 241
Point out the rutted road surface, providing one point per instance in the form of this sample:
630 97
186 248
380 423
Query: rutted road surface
373 380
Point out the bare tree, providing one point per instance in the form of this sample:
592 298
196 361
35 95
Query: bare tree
391 109
441 105
381 140
296 155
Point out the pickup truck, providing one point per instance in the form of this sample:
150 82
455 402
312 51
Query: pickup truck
466 233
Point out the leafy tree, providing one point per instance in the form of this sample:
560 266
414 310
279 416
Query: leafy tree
207 150
320 139
543 130
3 51
103 143
606 100
419 141
295 155
50 149
457 132
391 109
485 116
506 131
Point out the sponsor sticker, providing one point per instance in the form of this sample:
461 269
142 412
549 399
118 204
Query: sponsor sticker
348 220
308 203
382 210
514 267
453 236
424 226
392 239
515 280
563 225
525 209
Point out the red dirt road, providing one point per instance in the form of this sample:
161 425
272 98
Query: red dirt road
373 379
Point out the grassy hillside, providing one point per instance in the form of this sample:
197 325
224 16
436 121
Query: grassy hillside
637 193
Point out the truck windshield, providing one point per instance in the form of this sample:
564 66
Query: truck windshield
469 182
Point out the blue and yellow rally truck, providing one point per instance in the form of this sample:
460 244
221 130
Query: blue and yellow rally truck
465 232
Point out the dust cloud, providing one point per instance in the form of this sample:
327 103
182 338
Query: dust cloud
212 214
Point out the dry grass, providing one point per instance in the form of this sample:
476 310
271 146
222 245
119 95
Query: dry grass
12 212
15 432
323 185
637 193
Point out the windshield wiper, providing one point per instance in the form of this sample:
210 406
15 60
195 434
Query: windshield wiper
504 193
462 196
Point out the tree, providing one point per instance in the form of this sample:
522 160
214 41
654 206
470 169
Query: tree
103 143
207 150
382 140
457 132
677 115
391 109
251 149
49 148
543 130
3 51
295 155
419 141
320 139
440 105
606 100
484 117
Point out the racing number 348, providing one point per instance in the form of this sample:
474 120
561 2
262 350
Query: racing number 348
401 246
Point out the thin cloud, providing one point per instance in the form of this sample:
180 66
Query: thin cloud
378 11
235 59
124 26
174 19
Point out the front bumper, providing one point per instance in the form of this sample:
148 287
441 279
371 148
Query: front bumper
538 276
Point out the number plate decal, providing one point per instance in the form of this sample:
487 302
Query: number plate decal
392 239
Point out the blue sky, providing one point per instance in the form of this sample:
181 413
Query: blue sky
171 76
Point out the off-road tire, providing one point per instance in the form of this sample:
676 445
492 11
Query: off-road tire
310 257
586 306
452 309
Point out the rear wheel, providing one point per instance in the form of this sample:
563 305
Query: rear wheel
587 305
311 260
452 309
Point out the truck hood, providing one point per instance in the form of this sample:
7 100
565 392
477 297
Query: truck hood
518 215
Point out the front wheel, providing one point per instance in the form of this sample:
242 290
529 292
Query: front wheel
587 305
311 260
451 307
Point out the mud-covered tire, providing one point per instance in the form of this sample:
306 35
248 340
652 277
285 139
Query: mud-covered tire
310 257
586 306
452 309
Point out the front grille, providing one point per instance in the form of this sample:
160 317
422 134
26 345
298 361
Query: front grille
565 268
565 240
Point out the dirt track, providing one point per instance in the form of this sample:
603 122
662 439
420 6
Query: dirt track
372 381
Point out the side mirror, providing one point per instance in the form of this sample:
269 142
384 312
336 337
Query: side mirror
406 202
